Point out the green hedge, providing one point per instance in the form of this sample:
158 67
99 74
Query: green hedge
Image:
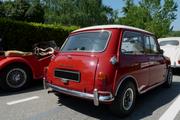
21 35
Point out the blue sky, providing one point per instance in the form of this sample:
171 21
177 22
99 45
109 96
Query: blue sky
118 4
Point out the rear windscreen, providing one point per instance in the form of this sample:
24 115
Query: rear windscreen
170 42
87 42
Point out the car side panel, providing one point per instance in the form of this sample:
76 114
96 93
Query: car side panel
34 64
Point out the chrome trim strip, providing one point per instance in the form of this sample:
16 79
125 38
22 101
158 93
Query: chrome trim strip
141 92
95 96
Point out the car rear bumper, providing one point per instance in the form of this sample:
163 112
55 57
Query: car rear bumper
175 64
96 97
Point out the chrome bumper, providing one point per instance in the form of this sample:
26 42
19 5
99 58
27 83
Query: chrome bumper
95 96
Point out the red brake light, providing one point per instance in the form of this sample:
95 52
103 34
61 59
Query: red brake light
102 79
101 76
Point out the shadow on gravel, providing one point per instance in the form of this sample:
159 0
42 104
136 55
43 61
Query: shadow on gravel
146 104
35 85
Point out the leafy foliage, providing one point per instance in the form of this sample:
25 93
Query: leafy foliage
173 34
153 15
22 10
22 35
35 13
78 12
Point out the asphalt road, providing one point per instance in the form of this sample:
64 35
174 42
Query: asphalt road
35 104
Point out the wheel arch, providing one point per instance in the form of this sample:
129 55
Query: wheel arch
22 64
128 78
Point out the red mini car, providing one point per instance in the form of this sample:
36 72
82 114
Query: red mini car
18 68
109 64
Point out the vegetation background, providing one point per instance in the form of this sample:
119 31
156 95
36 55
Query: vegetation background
152 15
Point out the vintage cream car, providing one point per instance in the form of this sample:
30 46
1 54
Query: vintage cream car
171 47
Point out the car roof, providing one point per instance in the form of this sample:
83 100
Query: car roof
112 26
169 38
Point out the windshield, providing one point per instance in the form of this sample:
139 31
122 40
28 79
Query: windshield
170 42
87 42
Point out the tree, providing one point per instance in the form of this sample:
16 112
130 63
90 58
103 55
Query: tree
6 8
1 9
173 34
23 10
78 12
35 13
153 15
19 9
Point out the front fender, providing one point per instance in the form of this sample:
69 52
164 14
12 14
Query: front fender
4 62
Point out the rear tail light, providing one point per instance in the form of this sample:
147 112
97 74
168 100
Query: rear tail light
102 79
101 76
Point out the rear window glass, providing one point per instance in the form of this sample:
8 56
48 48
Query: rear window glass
170 42
87 42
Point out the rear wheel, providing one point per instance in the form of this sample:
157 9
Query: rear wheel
124 102
15 78
169 78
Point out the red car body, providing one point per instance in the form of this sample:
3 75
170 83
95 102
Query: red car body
31 61
108 75
18 68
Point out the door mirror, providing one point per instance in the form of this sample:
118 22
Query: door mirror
161 51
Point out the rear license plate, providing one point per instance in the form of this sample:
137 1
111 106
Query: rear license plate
67 75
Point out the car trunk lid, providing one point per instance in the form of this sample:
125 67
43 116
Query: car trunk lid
76 71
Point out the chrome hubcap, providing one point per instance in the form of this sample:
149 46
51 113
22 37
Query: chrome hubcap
16 78
128 99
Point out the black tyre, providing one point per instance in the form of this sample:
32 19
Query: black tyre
169 78
15 78
124 102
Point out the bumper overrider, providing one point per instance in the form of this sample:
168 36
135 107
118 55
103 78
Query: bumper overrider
96 97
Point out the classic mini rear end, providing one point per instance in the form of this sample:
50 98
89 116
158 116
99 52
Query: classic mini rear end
94 64
83 68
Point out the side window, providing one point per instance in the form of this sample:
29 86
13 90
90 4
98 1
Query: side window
150 45
153 45
147 47
132 43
